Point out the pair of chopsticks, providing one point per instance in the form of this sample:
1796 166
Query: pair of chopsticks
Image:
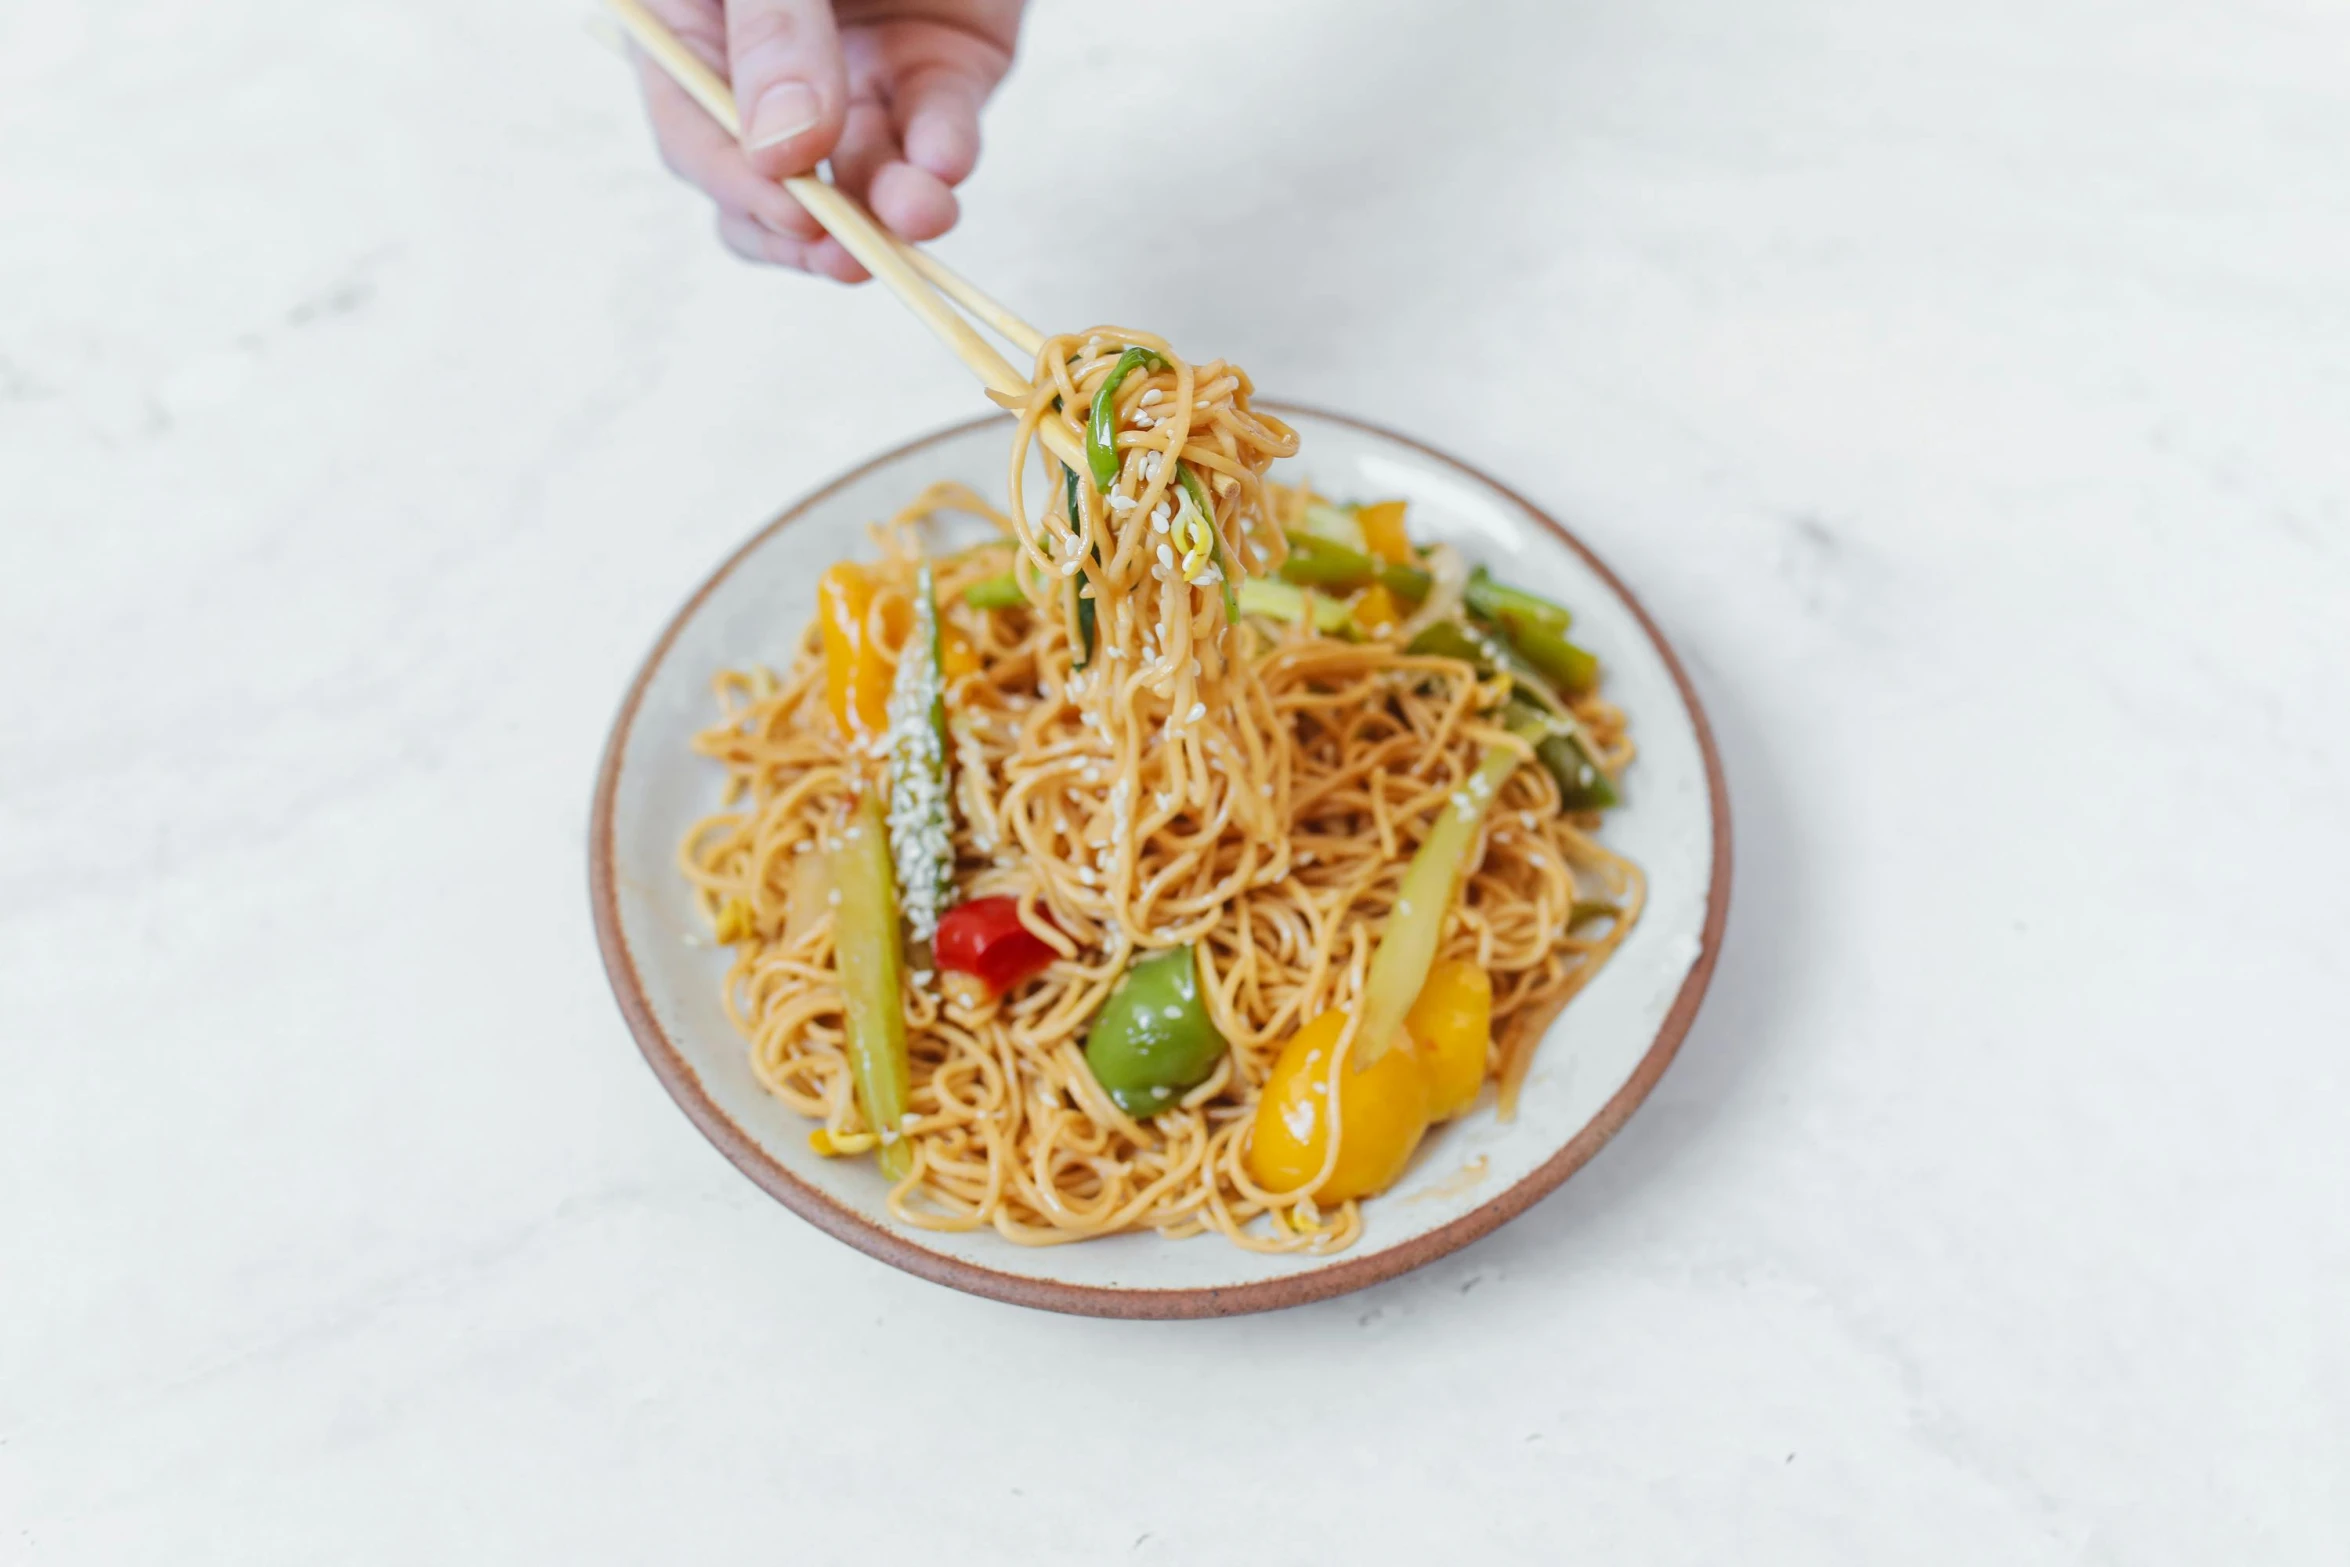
922 283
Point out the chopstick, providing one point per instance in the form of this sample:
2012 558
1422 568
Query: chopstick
924 284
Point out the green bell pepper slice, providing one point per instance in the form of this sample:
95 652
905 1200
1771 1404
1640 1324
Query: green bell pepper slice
1153 1041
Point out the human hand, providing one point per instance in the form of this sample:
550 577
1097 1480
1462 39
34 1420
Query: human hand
889 92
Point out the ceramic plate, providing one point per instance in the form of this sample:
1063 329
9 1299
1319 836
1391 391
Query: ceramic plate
1599 1061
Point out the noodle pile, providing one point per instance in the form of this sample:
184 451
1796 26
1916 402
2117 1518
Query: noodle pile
1254 789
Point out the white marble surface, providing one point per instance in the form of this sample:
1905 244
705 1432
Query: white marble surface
1963 387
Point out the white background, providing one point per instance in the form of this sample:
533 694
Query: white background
1964 388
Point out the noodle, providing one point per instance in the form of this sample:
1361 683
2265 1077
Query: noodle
1253 790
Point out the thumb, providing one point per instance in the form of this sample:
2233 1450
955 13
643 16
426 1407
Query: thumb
789 85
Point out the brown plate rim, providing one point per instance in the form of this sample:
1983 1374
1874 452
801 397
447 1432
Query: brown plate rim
1343 1274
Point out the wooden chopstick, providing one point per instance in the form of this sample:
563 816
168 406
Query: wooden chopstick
922 282
963 292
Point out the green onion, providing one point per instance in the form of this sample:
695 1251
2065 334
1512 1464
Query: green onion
1568 755
1101 430
1083 653
1563 746
1498 600
1316 562
1197 493
1535 628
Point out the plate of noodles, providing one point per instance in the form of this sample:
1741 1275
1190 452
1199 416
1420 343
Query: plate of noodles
1227 871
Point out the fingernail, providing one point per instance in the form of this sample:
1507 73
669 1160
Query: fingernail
782 112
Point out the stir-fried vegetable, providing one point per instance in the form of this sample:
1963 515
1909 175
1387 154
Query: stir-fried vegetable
986 939
1204 524
1563 746
1196 534
1381 1115
1499 602
734 923
1101 429
921 825
1375 610
1407 946
1335 523
1473 644
1570 668
956 656
1080 596
1282 601
1316 562
1568 754
1384 1106
1383 535
996 593
865 945
1452 1024
1153 1041
856 676
1535 628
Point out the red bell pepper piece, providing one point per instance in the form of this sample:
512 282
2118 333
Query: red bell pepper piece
985 939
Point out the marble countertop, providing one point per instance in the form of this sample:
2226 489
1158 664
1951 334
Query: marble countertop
1963 389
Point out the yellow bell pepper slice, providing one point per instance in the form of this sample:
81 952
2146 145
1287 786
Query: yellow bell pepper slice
1375 611
956 656
1452 1023
735 922
1383 535
856 675
1381 1115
